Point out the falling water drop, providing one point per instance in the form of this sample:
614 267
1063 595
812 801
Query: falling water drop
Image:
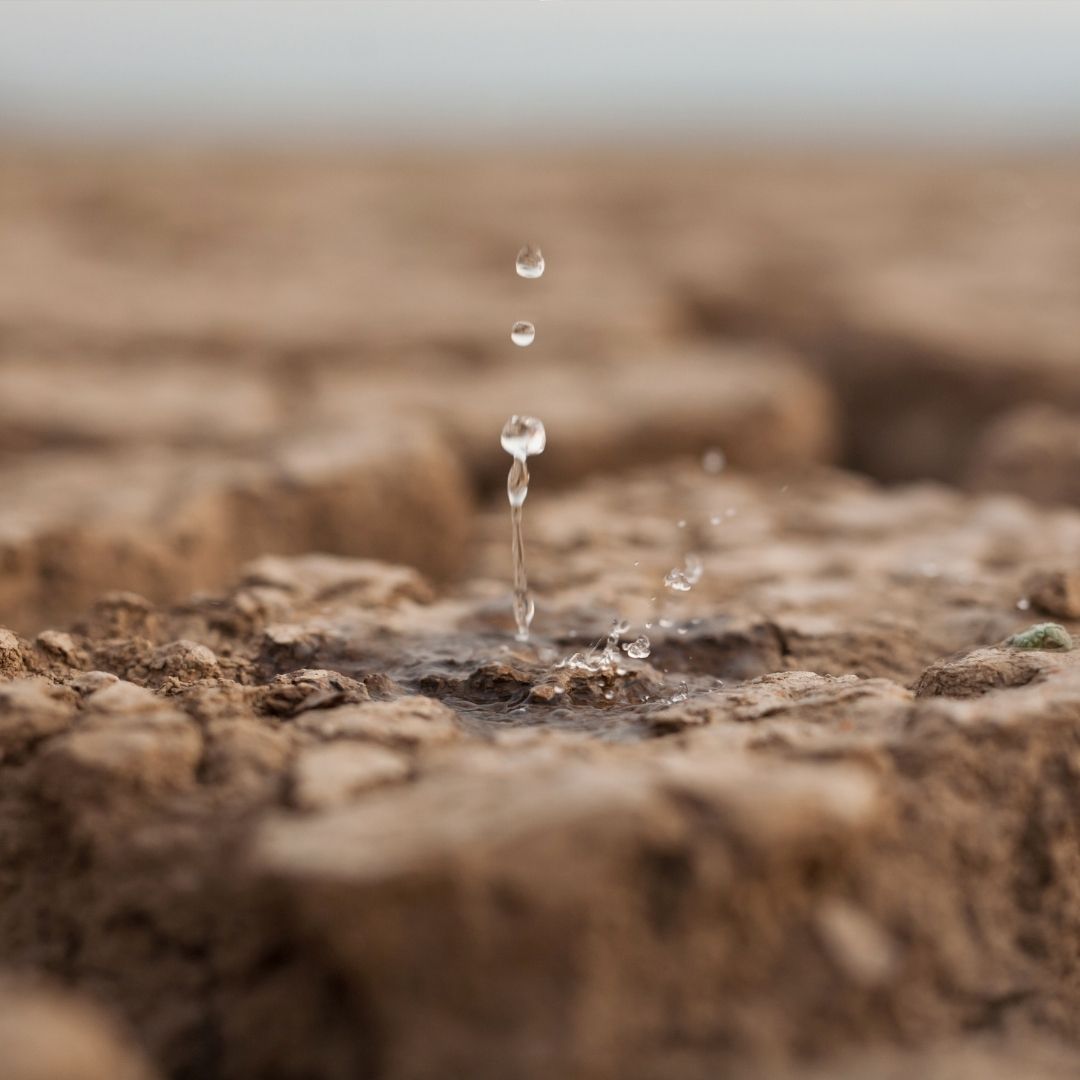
713 461
521 437
638 649
530 262
523 333
693 568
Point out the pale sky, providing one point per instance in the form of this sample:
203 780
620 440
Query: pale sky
888 70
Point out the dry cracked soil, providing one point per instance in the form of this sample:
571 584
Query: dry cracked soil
281 796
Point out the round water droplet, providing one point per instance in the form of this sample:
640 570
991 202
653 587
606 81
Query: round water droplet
681 523
523 333
1024 604
638 649
530 262
523 436
713 461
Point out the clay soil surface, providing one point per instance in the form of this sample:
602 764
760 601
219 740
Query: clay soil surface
281 796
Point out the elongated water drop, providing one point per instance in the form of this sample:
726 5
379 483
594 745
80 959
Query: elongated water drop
639 648
517 482
521 436
693 568
523 333
530 262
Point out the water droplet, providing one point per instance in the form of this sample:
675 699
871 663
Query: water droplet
608 696
530 262
521 436
713 461
619 627
681 631
524 436
638 649
667 624
517 482
522 333
730 512
681 523
677 581
1024 604
693 567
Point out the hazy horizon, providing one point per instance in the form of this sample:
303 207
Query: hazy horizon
958 74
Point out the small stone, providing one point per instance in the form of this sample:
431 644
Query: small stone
59 645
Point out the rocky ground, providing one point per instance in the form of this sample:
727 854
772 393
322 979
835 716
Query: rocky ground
280 796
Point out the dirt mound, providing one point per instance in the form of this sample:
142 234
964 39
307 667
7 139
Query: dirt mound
283 829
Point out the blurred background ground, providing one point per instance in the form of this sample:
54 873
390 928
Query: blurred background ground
250 252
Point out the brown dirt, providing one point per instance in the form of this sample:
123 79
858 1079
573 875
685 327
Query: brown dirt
335 792
279 795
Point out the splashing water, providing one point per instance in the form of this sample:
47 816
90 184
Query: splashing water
639 648
605 660
677 581
523 333
521 437
530 262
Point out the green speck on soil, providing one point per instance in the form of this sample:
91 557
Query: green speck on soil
1044 635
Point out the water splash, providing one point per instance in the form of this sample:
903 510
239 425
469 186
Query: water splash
523 333
521 437
638 649
530 262
677 581
601 661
